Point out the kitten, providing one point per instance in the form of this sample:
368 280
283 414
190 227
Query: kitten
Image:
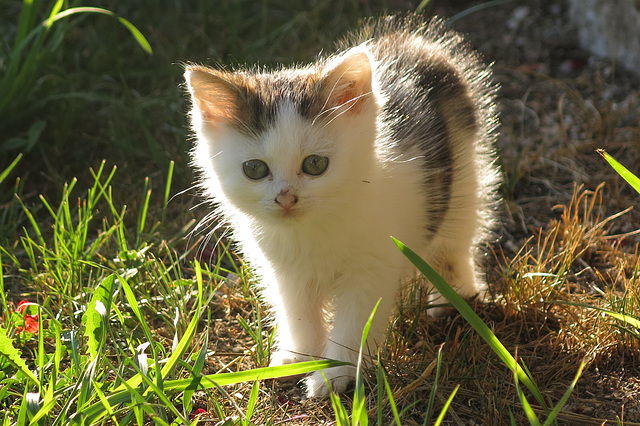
315 167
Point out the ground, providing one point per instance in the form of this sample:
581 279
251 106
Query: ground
559 247
557 106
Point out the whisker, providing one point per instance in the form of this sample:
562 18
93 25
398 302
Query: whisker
326 101
350 101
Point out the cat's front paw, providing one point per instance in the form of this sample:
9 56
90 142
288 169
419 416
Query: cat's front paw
286 357
338 377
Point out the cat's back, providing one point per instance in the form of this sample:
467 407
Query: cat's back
439 107
427 70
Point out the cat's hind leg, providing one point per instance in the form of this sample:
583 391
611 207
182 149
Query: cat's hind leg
454 261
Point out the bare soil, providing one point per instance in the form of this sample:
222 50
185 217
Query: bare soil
558 105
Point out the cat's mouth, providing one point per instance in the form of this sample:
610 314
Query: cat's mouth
285 215
289 213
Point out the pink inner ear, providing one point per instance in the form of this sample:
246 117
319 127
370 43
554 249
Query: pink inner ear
215 112
349 83
348 96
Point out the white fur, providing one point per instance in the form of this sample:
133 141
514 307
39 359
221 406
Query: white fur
334 258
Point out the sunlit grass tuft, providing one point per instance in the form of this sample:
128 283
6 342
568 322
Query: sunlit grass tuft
102 300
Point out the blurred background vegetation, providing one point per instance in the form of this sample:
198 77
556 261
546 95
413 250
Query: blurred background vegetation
95 94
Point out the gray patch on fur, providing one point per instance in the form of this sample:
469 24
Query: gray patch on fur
429 99
262 100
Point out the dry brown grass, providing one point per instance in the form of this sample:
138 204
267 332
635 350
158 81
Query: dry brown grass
546 308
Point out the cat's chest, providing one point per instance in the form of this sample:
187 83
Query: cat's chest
317 248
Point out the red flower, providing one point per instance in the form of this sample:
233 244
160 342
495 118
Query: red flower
283 400
197 413
31 323
22 306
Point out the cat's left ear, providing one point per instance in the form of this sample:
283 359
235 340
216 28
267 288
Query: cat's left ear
347 82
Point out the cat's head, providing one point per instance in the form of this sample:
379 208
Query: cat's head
283 146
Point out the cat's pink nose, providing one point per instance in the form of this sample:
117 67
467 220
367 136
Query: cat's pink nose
286 199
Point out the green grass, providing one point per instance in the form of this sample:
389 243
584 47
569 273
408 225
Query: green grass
34 44
627 175
96 349
132 318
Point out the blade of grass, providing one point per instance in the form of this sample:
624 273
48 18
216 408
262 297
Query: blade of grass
379 376
473 9
632 179
5 307
434 388
263 373
359 414
47 405
253 399
105 403
139 37
32 221
422 6
447 404
167 190
40 356
85 383
54 11
392 402
187 338
526 407
339 410
9 168
23 411
359 410
136 380
138 406
622 317
27 19
14 356
144 211
196 370
556 410
162 396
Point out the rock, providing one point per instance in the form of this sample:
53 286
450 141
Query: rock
609 28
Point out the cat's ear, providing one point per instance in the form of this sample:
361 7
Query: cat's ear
347 82
214 96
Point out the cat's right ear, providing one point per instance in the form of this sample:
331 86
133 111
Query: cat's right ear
348 81
214 97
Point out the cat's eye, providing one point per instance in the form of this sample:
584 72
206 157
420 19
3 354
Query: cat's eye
315 165
255 169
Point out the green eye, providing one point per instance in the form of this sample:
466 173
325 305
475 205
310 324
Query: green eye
255 169
315 165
